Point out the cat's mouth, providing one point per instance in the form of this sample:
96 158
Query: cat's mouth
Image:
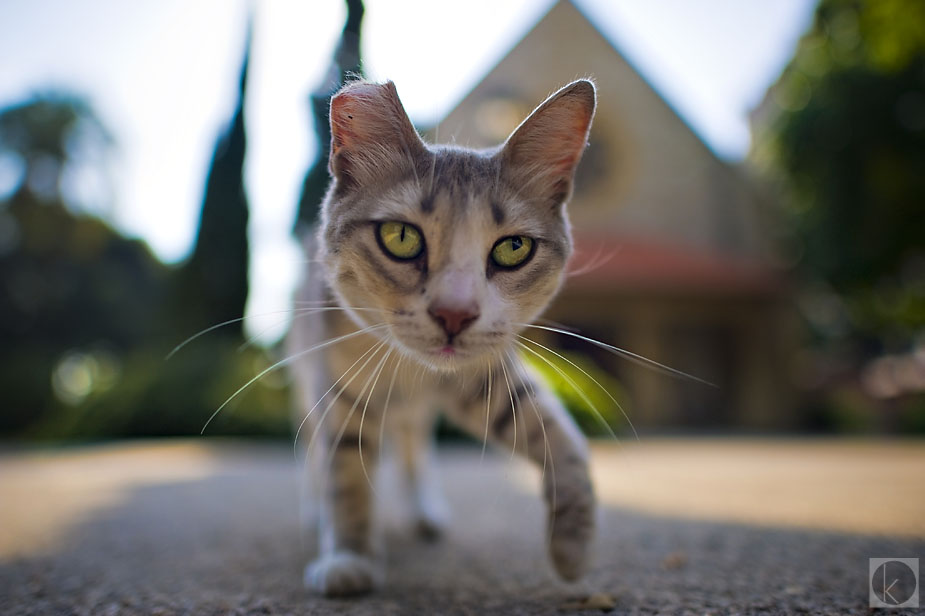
448 352
454 355
448 355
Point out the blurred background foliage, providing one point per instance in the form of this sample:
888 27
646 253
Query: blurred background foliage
842 133
87 316
595 399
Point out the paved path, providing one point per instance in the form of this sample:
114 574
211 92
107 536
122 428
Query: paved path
688 526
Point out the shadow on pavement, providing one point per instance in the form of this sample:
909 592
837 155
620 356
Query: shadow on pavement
230 543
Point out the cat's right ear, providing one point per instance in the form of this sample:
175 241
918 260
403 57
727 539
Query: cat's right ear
371 135
541 155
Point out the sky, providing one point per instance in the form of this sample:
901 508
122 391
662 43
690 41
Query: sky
161 74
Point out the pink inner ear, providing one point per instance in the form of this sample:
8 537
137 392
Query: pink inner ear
564 164
366 113
342 132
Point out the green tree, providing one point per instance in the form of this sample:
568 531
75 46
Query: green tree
346 62
75 296
212 285
845 129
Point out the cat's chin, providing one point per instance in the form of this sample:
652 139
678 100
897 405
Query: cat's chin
449 358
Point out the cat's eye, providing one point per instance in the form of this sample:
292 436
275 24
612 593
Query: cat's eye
512 251
400 239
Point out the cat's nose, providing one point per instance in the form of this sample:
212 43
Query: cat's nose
453 319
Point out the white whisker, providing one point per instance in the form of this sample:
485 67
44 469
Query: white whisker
285 361
378 373
295 441
385 407
580 369
343 388
629 355
251 316
510 395
320 425
487 413
547 450
575 386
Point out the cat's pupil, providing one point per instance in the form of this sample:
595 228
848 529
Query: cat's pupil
516 243
402 236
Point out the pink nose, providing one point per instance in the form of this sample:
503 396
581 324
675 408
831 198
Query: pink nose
453 320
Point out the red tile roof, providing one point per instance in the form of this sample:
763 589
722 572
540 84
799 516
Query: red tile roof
638 265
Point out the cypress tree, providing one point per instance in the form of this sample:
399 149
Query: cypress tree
213 283
345 63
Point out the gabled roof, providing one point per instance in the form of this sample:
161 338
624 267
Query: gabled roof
646 172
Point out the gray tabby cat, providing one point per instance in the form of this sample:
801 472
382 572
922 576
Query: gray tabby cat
433 259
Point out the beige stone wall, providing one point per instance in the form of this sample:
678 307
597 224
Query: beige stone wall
646 173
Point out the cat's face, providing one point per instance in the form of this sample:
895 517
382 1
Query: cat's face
453 249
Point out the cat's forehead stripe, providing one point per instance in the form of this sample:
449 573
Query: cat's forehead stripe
497 212
461 174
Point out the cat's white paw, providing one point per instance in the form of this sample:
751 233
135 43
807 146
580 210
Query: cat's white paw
342 574
432 516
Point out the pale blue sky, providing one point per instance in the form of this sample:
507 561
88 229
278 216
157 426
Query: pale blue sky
161 74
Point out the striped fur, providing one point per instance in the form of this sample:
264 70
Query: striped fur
418 356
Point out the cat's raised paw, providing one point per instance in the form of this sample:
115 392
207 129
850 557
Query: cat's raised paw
343 574
572 526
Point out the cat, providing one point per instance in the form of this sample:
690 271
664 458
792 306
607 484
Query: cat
430 261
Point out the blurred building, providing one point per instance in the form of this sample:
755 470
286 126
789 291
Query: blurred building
673 255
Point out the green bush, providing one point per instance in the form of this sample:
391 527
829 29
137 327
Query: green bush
595 399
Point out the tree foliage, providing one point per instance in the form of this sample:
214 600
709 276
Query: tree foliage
87 316
345 63
211 287
847 135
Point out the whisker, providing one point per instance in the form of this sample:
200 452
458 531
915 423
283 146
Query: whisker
285 361
298 431
629 355
517 367
487 412
511 396
547 450
372 353
385 407
213 328
378 373
342 308
252 339
598 260
320 425
353 408
580 369
250 316
552 323
575 386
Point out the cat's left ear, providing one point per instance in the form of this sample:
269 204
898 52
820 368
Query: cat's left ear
542 153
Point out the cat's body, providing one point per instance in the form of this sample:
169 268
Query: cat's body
430 260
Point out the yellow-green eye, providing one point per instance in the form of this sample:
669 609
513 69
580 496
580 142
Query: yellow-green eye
401 240
512 251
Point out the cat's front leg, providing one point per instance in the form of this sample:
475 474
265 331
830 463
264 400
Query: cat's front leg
524 415
347 564
412 435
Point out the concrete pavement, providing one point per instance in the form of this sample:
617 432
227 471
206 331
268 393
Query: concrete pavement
687 526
